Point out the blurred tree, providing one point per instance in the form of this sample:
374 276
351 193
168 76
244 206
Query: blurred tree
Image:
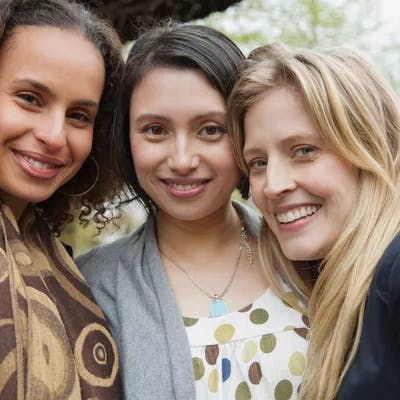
309 23
128 15
297 22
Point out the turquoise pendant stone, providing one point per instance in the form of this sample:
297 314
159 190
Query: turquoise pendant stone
218 307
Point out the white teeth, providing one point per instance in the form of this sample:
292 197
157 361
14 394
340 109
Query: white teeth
296 214
39 164
185 187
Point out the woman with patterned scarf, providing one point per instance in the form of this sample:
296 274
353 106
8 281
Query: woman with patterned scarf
59 65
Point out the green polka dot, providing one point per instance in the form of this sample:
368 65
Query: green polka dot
267 343
249 351
224 333
189 321
297 364
243 392
198 368
289 328
283 390
213 381
259 316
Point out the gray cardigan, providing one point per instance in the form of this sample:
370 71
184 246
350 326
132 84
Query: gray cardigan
129 283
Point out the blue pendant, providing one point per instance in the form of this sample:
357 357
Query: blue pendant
218 307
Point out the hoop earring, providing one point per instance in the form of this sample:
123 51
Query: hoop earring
91 186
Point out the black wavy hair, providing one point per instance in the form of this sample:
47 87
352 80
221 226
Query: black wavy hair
70 15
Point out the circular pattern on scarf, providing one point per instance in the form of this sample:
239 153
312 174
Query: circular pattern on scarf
22 259
3 266
51 352
96 355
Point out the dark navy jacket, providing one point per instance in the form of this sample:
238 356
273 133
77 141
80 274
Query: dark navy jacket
375 372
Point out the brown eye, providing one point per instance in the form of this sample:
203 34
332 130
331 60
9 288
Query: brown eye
155 130
212 131
29 98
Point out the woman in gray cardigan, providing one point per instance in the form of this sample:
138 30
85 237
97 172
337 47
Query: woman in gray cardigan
185 295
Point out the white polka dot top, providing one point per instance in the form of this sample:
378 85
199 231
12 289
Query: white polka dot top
256 353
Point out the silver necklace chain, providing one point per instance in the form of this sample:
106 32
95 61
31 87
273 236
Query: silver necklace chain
243 243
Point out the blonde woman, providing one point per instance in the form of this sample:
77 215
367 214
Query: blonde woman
318 133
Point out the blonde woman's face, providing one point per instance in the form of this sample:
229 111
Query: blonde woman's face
304 190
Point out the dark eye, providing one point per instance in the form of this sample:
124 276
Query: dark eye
212 131
155 130
29 98
81 117
304 152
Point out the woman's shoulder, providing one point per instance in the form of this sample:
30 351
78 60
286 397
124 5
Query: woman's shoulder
105 257
387 277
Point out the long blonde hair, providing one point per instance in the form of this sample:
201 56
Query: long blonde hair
358 116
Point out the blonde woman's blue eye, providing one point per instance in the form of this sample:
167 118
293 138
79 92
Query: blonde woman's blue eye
257 164
304 151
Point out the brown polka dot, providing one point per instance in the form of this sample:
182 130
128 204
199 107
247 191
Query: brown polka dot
247 308
255 373
212 352
306 321
302 332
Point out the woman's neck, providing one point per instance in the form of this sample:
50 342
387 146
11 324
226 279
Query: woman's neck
222 225
16 206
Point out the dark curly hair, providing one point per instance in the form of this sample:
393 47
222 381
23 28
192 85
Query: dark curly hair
60 208
178 46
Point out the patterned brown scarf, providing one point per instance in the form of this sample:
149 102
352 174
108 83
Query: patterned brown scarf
54 343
